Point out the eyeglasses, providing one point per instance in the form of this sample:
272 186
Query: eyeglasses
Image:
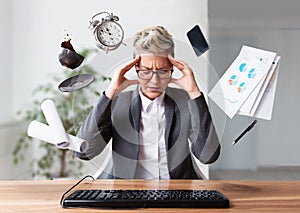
148 74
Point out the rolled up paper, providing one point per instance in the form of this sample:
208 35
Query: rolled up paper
54 121
47 133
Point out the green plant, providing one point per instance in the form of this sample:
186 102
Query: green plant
53 161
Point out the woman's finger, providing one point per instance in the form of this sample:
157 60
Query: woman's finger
175 62
129 65
179 64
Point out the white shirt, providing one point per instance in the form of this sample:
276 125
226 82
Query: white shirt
152 158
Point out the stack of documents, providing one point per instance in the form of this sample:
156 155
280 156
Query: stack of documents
248 85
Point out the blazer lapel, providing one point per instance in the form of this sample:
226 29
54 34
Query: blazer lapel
169 114
135 110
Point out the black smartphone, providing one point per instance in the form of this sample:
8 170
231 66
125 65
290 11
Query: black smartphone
197 40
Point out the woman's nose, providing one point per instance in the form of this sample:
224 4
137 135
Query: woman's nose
155 77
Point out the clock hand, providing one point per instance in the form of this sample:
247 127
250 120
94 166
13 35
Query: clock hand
104 31
107 29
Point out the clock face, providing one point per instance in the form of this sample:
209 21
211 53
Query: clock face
110 34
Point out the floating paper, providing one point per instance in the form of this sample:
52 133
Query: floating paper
45 133
241 87
54 121
54 133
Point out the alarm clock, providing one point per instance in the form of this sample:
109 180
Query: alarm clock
108 32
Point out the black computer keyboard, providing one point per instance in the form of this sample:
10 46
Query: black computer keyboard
147 199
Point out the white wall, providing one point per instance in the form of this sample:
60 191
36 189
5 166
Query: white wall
35 29
5 58
272 25
42 25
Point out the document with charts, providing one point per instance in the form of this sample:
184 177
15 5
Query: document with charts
247 75
260 102
265 107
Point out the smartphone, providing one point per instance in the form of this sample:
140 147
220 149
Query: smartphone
197 40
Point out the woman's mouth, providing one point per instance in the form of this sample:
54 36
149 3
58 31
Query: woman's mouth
154 89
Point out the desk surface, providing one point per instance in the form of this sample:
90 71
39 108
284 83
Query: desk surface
254 196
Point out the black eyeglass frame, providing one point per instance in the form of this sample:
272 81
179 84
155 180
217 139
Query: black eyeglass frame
154 72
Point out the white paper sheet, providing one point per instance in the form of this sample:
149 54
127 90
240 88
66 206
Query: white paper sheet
265 107
54 121
55 133
46 133
241 78
248 104
259 92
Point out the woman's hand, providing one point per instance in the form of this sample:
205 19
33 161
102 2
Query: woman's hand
119 81
187 82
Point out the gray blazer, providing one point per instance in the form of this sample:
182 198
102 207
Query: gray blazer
119 120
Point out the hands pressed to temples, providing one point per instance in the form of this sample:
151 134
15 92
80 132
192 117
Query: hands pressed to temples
153 87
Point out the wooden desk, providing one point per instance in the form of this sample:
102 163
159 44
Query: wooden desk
245 196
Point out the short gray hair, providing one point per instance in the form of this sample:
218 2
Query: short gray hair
154 40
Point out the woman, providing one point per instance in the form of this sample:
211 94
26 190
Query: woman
151 126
